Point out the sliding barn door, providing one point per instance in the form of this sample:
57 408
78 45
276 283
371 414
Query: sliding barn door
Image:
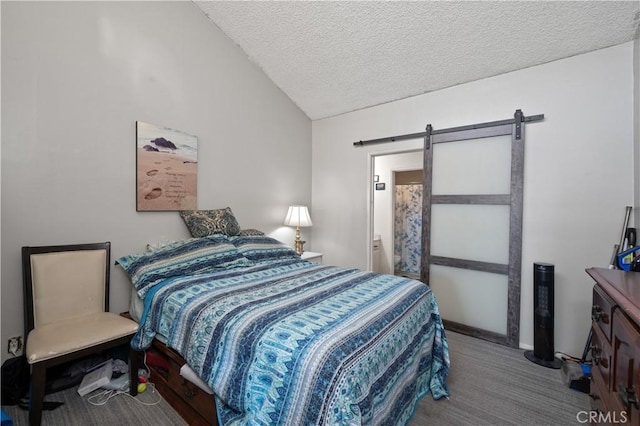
472 226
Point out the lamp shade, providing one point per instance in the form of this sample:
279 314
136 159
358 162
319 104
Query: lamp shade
298 216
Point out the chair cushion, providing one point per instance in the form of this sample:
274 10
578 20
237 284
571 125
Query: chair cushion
57 339
67 285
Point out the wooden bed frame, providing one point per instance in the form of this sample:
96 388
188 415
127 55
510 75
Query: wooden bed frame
194 405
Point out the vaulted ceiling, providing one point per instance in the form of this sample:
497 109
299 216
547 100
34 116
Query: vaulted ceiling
332 57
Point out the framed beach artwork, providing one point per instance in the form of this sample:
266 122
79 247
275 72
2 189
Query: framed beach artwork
166 169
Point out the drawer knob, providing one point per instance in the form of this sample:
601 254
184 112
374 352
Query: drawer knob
598 314
597 359
627 396
189 392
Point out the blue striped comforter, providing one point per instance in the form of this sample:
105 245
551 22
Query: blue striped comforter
296 342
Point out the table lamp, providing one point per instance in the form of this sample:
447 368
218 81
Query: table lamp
298 216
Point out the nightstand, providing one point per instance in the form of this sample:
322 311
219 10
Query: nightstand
312 257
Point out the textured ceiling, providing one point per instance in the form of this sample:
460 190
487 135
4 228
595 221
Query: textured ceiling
332 57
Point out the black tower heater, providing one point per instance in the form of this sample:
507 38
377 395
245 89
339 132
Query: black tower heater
542 352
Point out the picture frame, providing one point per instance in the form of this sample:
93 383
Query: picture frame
166 169
380 186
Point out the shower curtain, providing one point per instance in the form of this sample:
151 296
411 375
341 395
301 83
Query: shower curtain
408 228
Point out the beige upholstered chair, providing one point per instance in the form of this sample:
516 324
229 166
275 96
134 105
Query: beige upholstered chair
66 294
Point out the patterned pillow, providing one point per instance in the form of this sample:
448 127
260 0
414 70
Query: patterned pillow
187 257
249 232
202 223
259 248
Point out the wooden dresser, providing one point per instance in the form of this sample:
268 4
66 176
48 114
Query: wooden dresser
615 345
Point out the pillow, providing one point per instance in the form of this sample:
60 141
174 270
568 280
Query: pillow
248 232
187 257
202 223
159 244
260 248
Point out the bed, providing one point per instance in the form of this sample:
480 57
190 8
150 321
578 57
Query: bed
281 340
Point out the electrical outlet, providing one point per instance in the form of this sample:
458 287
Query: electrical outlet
15 345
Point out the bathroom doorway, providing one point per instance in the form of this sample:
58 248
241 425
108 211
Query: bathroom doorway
389 169
407 223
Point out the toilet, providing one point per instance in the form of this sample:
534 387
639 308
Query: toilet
376 253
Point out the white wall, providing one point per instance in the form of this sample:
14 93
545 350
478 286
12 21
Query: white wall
578 170
77 75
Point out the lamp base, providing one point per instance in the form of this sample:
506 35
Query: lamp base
299 243
299 246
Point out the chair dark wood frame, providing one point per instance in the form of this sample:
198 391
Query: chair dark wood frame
39 369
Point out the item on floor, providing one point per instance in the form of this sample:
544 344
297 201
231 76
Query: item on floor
5 419
543 353
120 383
15 380
143 374
576 375
119 378
70 374
97 378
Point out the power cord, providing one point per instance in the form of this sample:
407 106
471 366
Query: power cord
103 397
566 357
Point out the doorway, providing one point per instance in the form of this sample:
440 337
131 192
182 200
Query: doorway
385 168
407 223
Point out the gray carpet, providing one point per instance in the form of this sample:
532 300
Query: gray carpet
490 385
495 385
121 410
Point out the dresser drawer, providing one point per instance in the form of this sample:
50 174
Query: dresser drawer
602 312
598 393
626 364
601 354
201 401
